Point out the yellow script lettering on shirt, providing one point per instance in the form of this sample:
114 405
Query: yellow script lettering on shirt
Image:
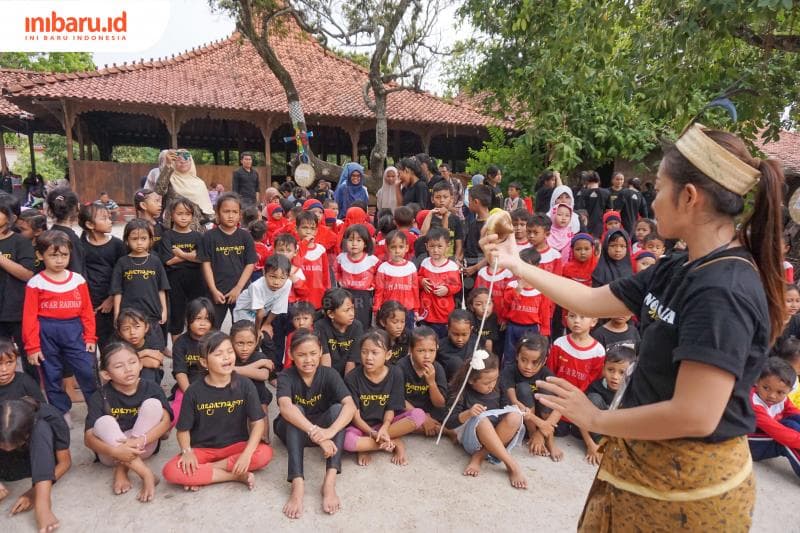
211 407
307 402
145 273
345 344
366 399
228 250
117 412
417 389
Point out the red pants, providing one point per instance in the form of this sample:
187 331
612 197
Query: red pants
205 456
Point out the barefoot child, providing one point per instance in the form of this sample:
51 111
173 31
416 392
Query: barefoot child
601 392
518 384
220 425
377 389
186 367
424 380
252 364
484 428
391 318
315 408
15 385
133 328
34 443
339 331
125 419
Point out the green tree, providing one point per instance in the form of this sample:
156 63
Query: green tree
588 82
48 62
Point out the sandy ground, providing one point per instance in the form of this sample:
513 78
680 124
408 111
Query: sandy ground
429 494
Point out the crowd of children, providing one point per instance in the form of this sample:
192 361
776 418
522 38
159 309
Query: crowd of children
363 331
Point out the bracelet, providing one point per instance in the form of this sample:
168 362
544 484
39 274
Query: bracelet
312 428
185 451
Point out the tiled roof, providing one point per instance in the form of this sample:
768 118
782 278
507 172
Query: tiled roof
229 75
786 149
10 77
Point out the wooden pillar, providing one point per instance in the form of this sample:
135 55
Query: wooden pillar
3 162
81 152
426 141
68 121
226 156
89 150
30 148
173 127
215 151
355 134
266 132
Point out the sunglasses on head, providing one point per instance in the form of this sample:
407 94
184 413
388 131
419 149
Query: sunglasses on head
184 155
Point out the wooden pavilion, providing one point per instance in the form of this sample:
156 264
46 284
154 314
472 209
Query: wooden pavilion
222 97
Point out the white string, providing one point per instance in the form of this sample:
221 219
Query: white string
474 351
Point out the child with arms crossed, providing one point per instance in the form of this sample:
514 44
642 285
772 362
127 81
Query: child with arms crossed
424 380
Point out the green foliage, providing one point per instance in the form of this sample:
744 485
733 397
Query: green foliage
50 168
589 82
135 154
48 62
516 158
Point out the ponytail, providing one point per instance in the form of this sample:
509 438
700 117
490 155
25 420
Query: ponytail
761 233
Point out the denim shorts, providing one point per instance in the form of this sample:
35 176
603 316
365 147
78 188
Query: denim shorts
468 434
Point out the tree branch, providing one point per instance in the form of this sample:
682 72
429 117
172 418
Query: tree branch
768 41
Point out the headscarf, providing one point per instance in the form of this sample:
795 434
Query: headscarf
355 215
312 203
329 215
608 269
575 222
152 176
609 215
561 238
346 192
477 179
577 271
387 194
191 187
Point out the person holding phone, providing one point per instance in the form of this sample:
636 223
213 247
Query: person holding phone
178 177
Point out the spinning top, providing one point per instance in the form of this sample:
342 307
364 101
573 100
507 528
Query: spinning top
499 223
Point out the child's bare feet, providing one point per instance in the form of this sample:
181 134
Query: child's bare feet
46 520
191 488
399 454
330 500
148 491
294 505
3 492
363 458
474 467
248 478
517 478
556 453
536 445
122 483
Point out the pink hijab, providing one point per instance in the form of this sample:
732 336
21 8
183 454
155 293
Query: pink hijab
560 238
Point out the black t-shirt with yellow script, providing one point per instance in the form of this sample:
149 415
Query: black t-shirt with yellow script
188 242
139 280
20 386
374 399
186 358
217 417
228 255
100 263
510 377
417 390
110 401
327 388
341 345
20 250
263 392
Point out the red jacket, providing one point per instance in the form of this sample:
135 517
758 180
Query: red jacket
313 260
397 282
357 275
437 309
768 420
526 307
61 300
578 365
501 280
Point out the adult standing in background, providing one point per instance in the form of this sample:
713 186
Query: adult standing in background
245 181
430 175
350 188
544 190
493 178
387 196
178 177
458 190
594 200
414 187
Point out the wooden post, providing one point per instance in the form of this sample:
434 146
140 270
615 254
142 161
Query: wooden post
31 148
426 141
354 133
173 127
266 132
68 121
81 152
3 162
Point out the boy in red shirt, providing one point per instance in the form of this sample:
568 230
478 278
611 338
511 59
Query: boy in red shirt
403 220
439 282
312 258
397 278
525 310
258 230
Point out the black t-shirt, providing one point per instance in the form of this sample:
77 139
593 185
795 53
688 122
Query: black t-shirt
613 198
100 262
228 255
596 202
20 250
510 377
186 358
416 388
188 242
158 232
374 399
543 196
598 386
399 349
217 417
50 434
454 227
246 183
417 194
110 401
471 247
436 178
341 346
470 397
448 350
606 337
22 385
631 206
490 331
327 388
713 311
77 259
497 196
139 280
261 388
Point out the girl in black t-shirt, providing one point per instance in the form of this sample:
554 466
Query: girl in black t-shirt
62 206
221 424
424 379
338 330
148 205
34 443
391 318
381 418
315 408
186 367
178 250
125 419
133 328
251 363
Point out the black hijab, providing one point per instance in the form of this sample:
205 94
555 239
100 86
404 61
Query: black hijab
607 269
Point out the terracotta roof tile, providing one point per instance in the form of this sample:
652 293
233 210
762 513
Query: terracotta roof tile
230 75
786 149
15 77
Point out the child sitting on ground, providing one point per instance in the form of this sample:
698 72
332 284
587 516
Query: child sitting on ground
391 318
459 343
477 302
790 352
423 380
15 385
252 364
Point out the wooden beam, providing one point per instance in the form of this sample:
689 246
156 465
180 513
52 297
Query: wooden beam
355 134
173 127
31 148
3 161
68 121
81 153
266 132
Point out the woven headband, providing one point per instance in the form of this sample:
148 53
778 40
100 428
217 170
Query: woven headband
716 162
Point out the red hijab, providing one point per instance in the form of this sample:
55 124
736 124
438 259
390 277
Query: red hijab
577 271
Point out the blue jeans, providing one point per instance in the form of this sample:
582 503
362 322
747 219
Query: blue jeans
514 332
63 346
762 446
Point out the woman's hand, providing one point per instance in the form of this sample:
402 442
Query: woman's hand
171 158
568 400
505 252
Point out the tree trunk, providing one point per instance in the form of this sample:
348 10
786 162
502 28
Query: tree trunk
377 158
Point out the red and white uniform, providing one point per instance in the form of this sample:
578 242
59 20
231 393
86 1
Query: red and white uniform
411 238
397 281
263 252
380 248
523 245
551 261
437 309
299 289
788 272
768 420
526 307
356 275
313 260
61 300
580 365
501 279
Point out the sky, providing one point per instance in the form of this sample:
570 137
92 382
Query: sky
193 24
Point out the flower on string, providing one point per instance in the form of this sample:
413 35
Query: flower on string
477 359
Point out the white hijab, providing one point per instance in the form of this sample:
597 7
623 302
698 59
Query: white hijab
191 187
387 194
575 222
